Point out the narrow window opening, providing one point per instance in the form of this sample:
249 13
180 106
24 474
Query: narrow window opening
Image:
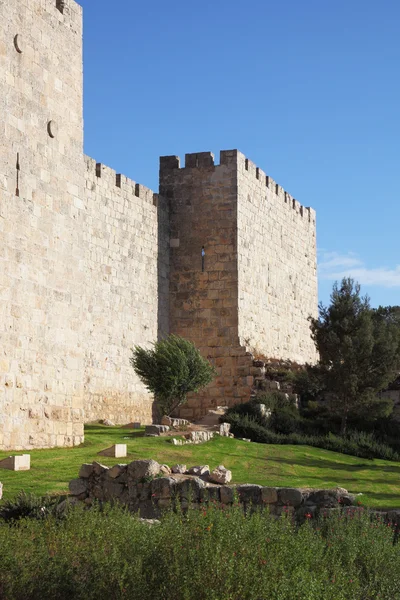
257 173
246 164
18 168
203 254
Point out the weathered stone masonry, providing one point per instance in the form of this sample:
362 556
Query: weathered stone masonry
92 263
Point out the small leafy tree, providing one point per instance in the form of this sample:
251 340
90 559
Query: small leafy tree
170 370
359 351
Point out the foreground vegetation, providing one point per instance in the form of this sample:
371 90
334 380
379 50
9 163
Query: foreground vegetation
209 554
274 465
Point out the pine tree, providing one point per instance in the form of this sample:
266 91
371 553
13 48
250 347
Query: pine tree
359 350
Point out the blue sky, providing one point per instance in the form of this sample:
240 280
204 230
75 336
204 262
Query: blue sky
310 91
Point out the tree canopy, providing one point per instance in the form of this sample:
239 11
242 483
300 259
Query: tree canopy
359 351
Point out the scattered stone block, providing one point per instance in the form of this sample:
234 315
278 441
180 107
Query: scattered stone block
138 469
165 470
115 451
108 423
21 462
199 470
264 411
179 469
224 429
199 437
151 430
220 475
174 423
137 425
176 442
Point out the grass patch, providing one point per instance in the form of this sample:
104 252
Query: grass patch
287 466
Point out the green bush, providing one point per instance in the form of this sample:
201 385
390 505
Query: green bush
170 370
208 554
358 444
26 506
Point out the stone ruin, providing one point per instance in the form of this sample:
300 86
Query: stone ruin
148 488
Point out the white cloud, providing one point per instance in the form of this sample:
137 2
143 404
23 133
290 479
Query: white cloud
334 266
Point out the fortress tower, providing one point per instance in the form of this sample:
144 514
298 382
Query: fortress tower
93 263
254 286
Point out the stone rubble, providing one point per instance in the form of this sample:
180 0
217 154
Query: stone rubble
174 423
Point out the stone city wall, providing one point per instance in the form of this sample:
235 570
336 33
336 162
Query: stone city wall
42 273
125 237
277 277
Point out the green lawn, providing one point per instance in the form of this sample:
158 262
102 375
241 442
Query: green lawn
292 466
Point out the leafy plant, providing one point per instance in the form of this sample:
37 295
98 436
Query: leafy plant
26 506
171 370
110 554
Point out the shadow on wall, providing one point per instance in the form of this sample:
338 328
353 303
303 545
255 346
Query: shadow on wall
162 276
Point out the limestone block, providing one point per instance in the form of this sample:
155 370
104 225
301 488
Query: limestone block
86 470
227 494
16 463
221 475
139 469
249 493
163 487
116 471
199 470
151 430
78 486
198 437
290 496
224 429
179 469
269 495
115 451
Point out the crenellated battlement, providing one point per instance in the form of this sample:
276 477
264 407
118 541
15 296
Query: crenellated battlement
238 161
107 178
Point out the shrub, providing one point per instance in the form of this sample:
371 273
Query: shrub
354 443
26 506
170 370
208 554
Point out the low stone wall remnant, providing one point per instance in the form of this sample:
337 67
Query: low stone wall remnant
142 487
